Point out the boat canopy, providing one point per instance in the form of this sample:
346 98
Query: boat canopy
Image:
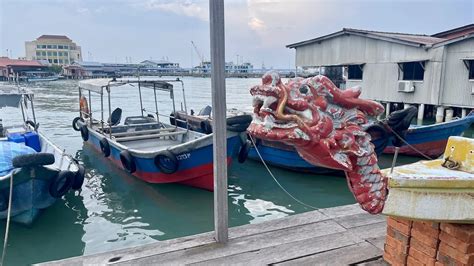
98 85
11 97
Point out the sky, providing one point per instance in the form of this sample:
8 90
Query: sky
257 31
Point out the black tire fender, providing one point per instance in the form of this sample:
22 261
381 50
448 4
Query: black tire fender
32 124
84 133
127 162
239 123
75 126
206 126
79 178
61 183
105 147
34 159
244 151
167 162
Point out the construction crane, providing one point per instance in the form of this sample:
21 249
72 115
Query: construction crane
198 53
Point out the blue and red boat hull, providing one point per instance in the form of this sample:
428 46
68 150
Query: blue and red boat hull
195 167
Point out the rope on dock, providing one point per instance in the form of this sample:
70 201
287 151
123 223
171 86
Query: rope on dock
274 178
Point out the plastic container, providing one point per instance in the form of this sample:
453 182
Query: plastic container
16 137
32 140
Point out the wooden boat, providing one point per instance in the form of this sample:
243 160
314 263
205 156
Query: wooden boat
144 145
431 139
36 170
438 190
40 76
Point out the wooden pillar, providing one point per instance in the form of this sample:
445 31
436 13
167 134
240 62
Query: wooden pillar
387 110
221 219
463 112
439 114
449 115
421 112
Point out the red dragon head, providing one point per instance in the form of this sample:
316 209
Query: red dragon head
325 125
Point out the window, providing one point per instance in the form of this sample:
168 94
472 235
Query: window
55 61
412 70
55 53
50 60
38 53
48 46
43 53
354 72
38 46
54 46
50 53
60 61
471 69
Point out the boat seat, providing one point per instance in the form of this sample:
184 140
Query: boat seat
151 136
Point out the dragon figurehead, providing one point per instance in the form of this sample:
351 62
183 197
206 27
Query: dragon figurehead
325 125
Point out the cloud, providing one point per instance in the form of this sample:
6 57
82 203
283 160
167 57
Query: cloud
188 8
257 24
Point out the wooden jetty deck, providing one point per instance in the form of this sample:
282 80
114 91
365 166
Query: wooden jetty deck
334 236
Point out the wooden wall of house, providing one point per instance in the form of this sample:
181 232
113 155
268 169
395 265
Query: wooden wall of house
456 87
381 71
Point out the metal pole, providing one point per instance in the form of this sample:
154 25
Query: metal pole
140 92
90 109
156 103
110 111
102 110
221 219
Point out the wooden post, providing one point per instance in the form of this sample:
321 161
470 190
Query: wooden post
216 12
439 114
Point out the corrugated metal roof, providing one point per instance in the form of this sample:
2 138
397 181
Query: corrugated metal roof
406 38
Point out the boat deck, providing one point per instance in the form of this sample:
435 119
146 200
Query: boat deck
334 236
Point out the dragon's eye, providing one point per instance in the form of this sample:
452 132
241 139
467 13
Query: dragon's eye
304 89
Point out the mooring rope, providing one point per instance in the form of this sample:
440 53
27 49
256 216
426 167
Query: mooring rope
274 178
7 229
409 145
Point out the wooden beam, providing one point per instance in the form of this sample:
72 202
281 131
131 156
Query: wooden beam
221 219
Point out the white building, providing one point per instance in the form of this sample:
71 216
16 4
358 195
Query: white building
435 70
56 49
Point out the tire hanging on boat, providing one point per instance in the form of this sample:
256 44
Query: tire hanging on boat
239 123
32 124
32 160
74 123
84 132
206 126
104 147
127 162
167 162
61 183
79 178
244 151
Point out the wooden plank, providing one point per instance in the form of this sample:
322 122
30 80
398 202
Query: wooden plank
359 220
196 240
277 224
344 210
219 113
341 256
369 231
378 242
286 251
246 244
